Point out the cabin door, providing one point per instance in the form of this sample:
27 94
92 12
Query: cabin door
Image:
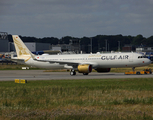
131 58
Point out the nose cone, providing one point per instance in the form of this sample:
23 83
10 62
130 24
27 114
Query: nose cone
147 61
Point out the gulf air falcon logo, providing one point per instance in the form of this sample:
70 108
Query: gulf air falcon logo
21 50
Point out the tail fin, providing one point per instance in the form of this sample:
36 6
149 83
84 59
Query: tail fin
22 51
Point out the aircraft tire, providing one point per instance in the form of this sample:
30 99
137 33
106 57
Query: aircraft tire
72 73
138 73
85 73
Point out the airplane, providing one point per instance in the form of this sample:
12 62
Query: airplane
83 63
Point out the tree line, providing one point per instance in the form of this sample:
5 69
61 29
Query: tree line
99 42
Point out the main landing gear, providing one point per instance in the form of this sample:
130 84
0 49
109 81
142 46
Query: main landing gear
72 72
85 73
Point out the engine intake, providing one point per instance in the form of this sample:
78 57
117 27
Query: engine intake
100 70
84 68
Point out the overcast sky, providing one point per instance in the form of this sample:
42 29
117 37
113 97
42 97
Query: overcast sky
76 18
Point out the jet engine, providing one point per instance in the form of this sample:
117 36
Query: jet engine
100 70
84 68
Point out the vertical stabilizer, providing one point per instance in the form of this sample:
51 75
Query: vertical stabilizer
21 49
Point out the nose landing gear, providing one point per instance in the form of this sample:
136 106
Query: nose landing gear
133 68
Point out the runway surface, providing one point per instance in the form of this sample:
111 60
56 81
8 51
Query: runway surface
10 75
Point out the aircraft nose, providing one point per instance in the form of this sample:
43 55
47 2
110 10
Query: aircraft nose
147 61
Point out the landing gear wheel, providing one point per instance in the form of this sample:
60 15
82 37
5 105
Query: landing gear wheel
72 73
85 73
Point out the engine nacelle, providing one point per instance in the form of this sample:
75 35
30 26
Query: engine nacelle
100 70
84 68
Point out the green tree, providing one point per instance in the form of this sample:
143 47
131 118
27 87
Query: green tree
148 42
138 40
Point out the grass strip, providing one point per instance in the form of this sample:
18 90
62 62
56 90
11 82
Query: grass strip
78 99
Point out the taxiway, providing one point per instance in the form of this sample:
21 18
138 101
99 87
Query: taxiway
11 75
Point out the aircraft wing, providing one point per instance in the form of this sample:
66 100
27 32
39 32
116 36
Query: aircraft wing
60 62
71 63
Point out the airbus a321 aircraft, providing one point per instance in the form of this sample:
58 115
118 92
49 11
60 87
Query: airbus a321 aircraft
83 63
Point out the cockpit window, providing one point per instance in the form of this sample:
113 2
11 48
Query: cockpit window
142 56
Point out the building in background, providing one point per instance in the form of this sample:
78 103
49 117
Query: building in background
73 47
33 47
6 46
144 49
128 48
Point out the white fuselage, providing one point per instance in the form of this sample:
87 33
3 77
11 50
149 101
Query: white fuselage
112 60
